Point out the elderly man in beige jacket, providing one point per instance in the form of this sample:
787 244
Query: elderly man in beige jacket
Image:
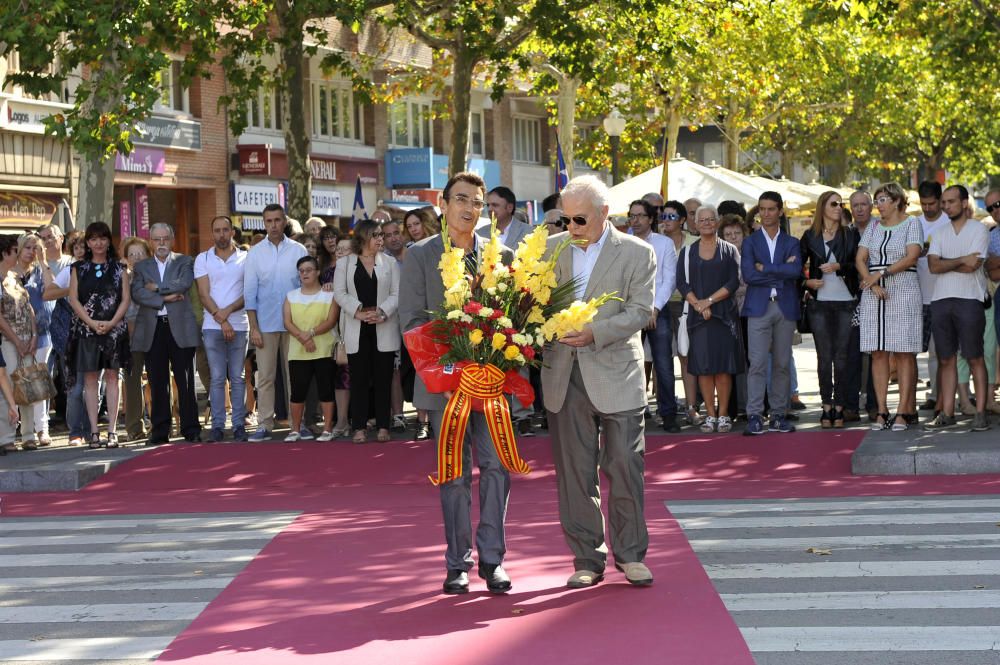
593 382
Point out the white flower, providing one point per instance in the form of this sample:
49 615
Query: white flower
540 339
492 291
504 322
520 339
501 287
454 314
465 318
486 312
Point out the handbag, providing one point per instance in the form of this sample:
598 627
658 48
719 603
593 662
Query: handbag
32 382
339 349
683 340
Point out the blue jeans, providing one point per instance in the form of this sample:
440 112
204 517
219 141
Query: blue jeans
225 360
660 343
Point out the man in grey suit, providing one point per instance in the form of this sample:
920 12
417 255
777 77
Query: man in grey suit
501 203
421 290
167 332
593 382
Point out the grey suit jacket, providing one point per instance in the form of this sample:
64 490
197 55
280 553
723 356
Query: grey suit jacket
177 278
421 291
516 232
611 366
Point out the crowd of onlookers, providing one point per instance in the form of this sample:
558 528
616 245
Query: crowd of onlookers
300 323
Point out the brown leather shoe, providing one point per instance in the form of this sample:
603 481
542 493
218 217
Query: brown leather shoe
582 579
636 573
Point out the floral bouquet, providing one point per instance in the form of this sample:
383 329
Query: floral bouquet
495 319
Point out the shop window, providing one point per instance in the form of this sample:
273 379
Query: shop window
334 111
527 140
173 96
410 124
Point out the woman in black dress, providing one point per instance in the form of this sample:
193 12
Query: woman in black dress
708 274
98 337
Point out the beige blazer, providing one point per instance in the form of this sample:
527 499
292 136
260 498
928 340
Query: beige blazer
611 366
346 295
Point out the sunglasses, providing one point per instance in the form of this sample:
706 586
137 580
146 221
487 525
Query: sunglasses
669 216
579 220
993 206
835 204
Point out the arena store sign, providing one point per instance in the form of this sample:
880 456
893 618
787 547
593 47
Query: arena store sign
325 202
253 198
26 209
169 133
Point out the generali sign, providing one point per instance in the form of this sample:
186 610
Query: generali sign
255 160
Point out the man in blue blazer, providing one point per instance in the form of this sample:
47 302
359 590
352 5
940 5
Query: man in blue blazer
772 268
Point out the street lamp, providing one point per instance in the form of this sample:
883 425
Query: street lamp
614 125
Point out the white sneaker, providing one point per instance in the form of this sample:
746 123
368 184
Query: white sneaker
325 436
292 436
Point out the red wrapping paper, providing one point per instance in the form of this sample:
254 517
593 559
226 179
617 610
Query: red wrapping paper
426 353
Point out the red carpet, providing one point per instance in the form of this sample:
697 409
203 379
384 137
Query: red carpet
356 578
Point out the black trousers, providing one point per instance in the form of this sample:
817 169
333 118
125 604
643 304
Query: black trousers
371 380
161 358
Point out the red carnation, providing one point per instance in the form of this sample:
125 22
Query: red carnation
497 313
528 352
472 307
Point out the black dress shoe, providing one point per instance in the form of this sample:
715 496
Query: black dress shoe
456 582
156 441
670 424
193 438
496 578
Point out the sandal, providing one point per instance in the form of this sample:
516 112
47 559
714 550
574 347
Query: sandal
360 436
692 416
383 435
112 440
725 424
879 426
838 418
826 420
708 425
95 441
30 444
897 423
338 432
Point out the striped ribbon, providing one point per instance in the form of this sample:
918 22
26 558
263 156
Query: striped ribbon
485 383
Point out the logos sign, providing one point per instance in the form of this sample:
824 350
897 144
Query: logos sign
255 159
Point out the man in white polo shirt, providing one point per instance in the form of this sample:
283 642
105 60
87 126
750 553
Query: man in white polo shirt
931 219
956 256
218 272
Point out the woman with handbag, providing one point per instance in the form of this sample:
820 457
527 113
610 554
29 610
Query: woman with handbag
366 285
829 250
310 314
98 342
20 340
28 270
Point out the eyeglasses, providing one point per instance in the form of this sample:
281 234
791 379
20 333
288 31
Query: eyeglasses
883 200
166 239
378 234
710 220
465 200
637 216
993 206
669 217
579 220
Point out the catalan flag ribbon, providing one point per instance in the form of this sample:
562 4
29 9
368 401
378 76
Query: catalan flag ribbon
562 174
358 213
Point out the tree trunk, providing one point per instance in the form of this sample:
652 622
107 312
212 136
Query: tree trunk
293 116
732 129
566 105
97 173
460 108
673 131
788 164
97 183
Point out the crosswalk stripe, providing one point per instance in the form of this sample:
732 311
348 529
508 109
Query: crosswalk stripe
126 558
160 537
691 523
853 569
94 648
76 584
845 542
100 612
862 600
268 520
872 638
831 506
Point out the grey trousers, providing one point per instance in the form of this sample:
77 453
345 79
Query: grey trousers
456 499
769 335
576 448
